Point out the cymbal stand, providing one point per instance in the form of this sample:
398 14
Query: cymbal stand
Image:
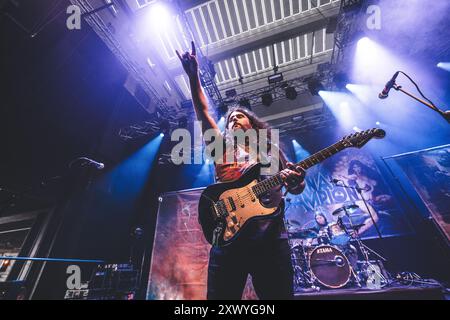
299 270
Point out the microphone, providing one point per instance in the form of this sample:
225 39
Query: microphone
86 161
97 165
385 93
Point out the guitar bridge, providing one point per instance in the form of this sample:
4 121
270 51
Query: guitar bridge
220 209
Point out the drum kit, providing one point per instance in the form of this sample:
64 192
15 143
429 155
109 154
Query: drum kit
325 257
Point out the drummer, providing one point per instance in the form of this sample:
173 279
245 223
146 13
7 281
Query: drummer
325 236
321 228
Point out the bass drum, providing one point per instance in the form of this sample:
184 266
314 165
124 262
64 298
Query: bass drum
329 266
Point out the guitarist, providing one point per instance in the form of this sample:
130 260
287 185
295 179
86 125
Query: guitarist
264 252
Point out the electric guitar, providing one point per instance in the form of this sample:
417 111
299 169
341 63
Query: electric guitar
226 208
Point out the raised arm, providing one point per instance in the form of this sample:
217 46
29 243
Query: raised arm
190 66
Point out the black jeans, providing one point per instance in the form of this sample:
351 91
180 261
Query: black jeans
267 261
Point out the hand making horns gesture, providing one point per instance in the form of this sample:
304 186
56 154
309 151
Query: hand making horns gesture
189 61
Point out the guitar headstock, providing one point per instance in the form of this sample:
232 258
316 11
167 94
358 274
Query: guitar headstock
359 139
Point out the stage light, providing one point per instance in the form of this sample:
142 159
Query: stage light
230 93
344 104
161 134
300 152
315 86
164 126
160 16
266 99
341 80
374 64
131 175
344 107
244 102
291 93
377 123
364 42
222 109
356 129
366 94
444 65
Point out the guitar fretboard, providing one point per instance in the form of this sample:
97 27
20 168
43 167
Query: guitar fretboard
276 180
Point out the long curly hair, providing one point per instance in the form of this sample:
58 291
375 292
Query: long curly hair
366 170
257 124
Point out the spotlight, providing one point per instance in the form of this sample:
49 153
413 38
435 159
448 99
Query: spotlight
341 80
160 15
164 126
351 5
222 109
230 93
291 94
161 134
355 128
363 41
244 102
266 99
314 86
344 105
377 123
444 65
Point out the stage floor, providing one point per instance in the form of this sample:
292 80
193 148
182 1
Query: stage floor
392 292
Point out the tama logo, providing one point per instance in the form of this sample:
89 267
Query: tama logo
324 250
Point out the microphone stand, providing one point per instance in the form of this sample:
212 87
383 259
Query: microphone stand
359 190
444 114
365 250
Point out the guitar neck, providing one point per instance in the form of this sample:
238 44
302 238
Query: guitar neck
276 181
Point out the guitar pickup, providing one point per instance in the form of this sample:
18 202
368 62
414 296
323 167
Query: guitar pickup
232 204
220 209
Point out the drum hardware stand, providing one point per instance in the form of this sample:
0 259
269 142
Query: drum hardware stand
307 276
365 250
359 190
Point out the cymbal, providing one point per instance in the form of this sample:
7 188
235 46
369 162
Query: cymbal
303 233
355 227
345 208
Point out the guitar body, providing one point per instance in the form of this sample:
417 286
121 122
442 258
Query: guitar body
227 208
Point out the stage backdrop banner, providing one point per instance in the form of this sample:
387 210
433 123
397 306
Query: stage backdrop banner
353 168
428 171
179 263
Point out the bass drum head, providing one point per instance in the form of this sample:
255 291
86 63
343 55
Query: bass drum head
330 266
